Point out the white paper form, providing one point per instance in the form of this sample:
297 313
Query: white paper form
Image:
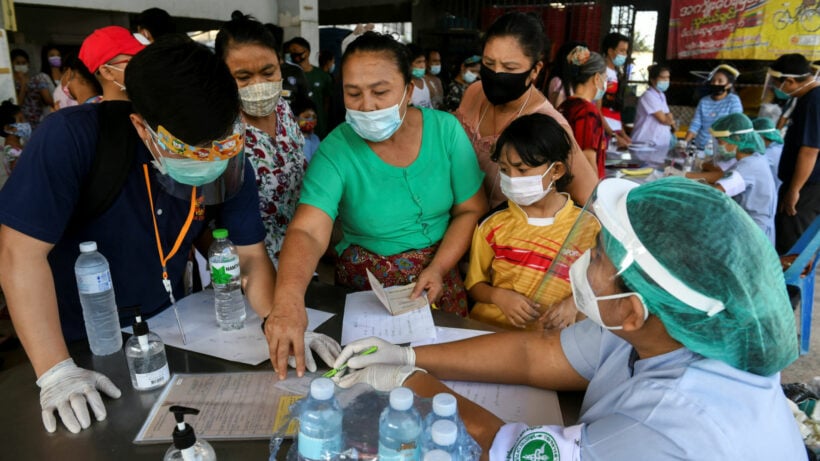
365 316
513 403
198 317
449 335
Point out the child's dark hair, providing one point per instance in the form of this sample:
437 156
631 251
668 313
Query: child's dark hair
74 63
655 71
538 139
8 112
301 103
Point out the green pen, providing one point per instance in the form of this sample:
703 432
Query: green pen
333 372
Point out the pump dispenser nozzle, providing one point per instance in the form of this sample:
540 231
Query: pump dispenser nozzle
186 447
184 436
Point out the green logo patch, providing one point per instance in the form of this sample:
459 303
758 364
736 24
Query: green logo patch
535 446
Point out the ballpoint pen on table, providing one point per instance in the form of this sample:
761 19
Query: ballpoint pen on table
333 372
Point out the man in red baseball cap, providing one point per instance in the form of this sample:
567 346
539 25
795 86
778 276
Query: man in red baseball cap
106 52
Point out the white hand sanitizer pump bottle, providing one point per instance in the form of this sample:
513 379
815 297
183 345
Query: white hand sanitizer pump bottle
186 447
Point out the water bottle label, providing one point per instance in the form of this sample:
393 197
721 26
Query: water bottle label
146 380
408 452
94 283
222 273
313 448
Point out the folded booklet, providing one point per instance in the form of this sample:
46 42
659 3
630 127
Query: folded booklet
396 299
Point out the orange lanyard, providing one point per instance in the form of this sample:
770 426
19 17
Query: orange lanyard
162 258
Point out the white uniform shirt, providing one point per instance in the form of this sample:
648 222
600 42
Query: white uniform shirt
647 127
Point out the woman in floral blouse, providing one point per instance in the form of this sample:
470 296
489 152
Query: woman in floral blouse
273 141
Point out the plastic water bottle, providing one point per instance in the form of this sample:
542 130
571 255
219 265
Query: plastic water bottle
438 455
709 150
399 428
229 303
443 436
102 322
320 423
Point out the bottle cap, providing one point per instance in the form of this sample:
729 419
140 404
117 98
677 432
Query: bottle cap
88 247
437 455
444 432
140 326
220 233
401 398
184 436
444 404
322 388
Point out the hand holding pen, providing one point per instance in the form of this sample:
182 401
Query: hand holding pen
353 355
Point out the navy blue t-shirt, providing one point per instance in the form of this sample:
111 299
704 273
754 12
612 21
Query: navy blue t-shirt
42 194
804 130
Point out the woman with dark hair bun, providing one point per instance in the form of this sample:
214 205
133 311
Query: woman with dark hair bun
586 72
510 62
403 181
273 141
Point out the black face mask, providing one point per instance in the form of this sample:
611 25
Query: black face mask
717 90
297 58
503 87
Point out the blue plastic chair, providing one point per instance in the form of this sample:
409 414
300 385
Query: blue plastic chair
806 248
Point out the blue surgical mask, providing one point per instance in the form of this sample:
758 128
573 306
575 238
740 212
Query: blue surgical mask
193 172
469 77
22 130
436 69
288 58
332 68
723 153
780 94
662 86
418 72
599 92
619 60
376 125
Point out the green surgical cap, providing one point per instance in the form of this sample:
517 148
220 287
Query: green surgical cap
737 129
705 240
765 127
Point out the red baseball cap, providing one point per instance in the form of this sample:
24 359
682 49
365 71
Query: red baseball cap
103 44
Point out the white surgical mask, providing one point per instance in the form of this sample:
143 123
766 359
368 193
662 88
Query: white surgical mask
260 99
469 77
376 125
525 190
585 299
21 68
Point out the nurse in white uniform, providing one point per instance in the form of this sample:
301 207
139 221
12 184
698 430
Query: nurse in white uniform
688 327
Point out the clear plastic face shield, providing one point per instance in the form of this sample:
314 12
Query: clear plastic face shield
774 82
584 261
216 169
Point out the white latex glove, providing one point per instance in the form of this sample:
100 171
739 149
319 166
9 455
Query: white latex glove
672 171
324 346
381 377
387 354
67 388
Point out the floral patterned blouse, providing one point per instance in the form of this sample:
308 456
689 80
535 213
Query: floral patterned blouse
280 167
33 106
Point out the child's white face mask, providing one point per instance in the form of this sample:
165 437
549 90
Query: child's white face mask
525 190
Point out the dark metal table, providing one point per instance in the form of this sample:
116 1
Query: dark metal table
22 436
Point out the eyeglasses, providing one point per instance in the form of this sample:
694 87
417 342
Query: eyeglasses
218 150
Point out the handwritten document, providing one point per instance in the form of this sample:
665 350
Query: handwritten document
396 299
365 316
513 403
198 316
232 406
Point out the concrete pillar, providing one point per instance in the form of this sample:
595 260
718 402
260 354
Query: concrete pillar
300 18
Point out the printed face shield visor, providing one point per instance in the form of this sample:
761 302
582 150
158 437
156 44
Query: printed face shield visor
177 157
